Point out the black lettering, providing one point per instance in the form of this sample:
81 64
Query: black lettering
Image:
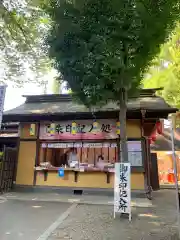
106 128
59 128
68 128
91 128
78 128
123 185
122 204
123 193
81 128
123 168
122 177
48 127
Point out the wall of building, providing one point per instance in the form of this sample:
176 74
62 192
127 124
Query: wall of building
133 128
25 131
26 155
26 162
87 180
27 159
165 166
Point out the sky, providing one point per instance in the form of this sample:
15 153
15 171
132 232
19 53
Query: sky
14 97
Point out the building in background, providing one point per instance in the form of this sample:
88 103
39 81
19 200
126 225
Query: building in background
57 133
162 146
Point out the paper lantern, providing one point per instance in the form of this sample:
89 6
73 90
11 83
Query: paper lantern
159 127
52 128
95 127
153 137
118 128
32 130
74 128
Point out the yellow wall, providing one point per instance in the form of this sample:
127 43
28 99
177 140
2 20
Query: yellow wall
133 128
25 131
26 162
87 179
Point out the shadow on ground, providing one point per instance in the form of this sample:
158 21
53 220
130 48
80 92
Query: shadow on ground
157 222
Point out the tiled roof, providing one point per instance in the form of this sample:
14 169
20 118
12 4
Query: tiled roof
61 104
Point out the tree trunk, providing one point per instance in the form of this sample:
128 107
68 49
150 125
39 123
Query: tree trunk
123 155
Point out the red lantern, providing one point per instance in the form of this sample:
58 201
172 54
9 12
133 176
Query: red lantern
153 137
159 127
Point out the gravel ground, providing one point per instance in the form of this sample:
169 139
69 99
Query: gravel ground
96 222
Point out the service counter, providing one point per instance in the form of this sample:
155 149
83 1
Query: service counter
88 178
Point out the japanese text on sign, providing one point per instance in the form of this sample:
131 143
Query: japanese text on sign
122 194
81 129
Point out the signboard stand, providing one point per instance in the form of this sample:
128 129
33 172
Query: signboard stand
122 189
175 174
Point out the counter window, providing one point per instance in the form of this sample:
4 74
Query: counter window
73 155
88 154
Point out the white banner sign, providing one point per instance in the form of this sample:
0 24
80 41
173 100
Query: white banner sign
122 189
2 98
134 149
79 145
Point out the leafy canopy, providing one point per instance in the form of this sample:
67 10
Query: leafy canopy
165 70
23 27
101 47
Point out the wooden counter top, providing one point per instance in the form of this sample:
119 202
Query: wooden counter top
54 169
105 170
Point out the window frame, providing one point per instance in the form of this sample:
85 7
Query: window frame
133 168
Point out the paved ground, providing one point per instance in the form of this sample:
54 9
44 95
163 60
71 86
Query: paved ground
64 198
27 220
156 222
26 216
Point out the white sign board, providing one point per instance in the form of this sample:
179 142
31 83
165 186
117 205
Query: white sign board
135 158
122 189
2 98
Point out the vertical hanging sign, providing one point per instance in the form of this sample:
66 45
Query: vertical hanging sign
95 127
118 128
74 128
32 130
122 189
52 128
2 98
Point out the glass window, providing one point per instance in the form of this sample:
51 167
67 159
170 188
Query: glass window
135 153
88 154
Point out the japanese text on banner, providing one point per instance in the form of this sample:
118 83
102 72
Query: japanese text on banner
122 198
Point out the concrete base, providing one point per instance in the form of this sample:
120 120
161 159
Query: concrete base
75 191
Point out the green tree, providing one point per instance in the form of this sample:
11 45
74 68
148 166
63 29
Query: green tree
102 48
57 83
165 70
23 27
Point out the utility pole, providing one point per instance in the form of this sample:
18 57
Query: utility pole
175 172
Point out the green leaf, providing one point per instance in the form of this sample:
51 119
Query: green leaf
165 71
101 47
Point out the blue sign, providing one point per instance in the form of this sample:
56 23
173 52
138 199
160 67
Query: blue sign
61 172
